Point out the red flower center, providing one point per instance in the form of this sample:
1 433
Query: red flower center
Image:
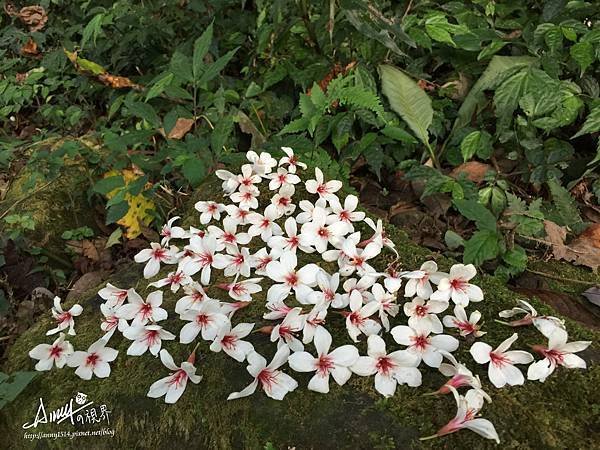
421 310
421 342
324 364
228 341
266 377
146 310
92 359
55 351
458 284
323 233
498 359
202 319
385 365
159 253
178 378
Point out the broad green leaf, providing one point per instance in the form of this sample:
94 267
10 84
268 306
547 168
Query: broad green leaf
554 39
398 134
200 50
114 238
408 100
215 68
516 258
144 111
159 86
108 184
591 124
194 171
482 246
475 211
116 212
497 66
583 53
493 48
12 385
380 35
453 240
92 30
476 142
563 205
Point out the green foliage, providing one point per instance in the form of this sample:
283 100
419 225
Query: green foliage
12 385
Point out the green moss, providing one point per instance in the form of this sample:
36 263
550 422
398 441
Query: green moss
561 413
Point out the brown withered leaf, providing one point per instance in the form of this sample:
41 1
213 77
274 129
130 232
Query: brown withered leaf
181 128
30 48
584 250
34 17
117 82
474 170
21 77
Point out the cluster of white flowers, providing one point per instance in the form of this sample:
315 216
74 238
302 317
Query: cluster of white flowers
300 298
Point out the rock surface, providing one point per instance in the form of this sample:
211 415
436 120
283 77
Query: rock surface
560 413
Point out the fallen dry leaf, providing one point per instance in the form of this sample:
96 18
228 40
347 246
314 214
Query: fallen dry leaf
474 170
181 128
30 48
584 250
86 282
117 82
21 77
593 295
460 87
34 17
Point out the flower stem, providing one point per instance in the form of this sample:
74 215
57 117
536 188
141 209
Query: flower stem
502 322
426 438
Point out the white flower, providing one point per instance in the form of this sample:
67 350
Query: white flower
466 325
50 355
284 333
393 280
346 214
228 236
156 255
230 341
64 319
274 382
356 259
248 179
336 362
545 324
399 367
460 376
277 310
261 259
308 209
457 287
111 320
386 303
291 160
466 417
264 225
380 237
230 181
325 190
173 279
283 200
318 234
290 242
207 319
358 320
172 387
169 232
424 346
354 287
419 281
94 361
284 272
113 295
281 178
194 296
235 262
246 197
143 311
422 313
262 164
209 211
202 258
242 291
559 352
501 369
328 286
146 337
237 214
313 320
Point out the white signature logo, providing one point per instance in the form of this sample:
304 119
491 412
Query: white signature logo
82 412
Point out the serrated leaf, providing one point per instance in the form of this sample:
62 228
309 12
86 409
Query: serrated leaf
116 212
159 86
408 100
200 50
516 258
215 68
490 50
591 124
108 184
583 53
475 211
398 134
144 111
482 246
563 204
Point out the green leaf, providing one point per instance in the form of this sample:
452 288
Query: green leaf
398 134
507 96
453 240
114 238
492 49
475 211
144 111
516 258
159 86
92 30
476 142
341 131
12 385
200 50
591 124
108 184
554 39
484 245
116 212
563 205
194 171
215 68
408 100
219 136
583 53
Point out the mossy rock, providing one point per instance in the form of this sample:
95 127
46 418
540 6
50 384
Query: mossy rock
560 413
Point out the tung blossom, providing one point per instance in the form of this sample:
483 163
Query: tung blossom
52 355
501 369
335 363
209 211
173 386
324 189
426 347
558 352
399 367
64 319
113 295
545 324
419 281
466 325
230 341
291 160
207 319
143 311
194 296
274 382
155 255
168 231
457 287
423 313
146 337
94 361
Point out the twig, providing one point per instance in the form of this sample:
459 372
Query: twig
555 277
407 11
